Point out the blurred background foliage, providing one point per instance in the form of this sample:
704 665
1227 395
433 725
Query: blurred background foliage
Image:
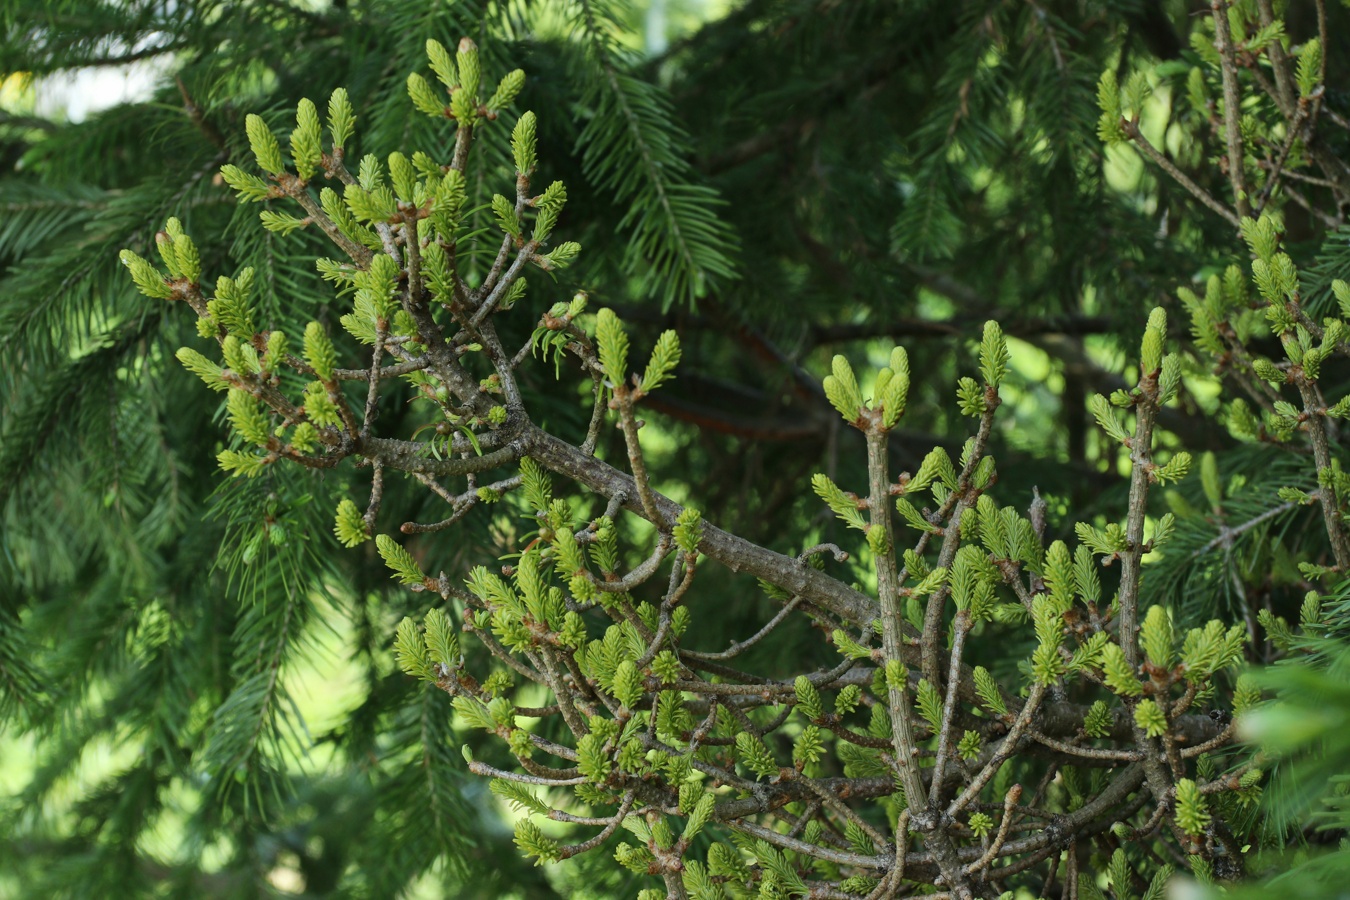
197 695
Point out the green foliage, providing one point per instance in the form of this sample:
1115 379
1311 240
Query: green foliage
350 526
843 506
319 406
1150 717
929 703
1107 419
988 692
1175 469
970 398
698 882
755 755
249 421
506 216
507 90
612 344
305 146
1117 674
1156 639
1118 873
563 668
808 698
1192 812
263 142
533 843
148 279
847 699
341 118
203 368
1212 648
247 187
841 387
549 205
688 530
907 510
1109 130
628 684
423 97
661 367
319 352
405 568
519 796
1098 721
679 249
404 178
411 653
442 642
1309 67
808 748
375 206
1158 885
464 100
993 354
892 388
231 307
1155 333
524 143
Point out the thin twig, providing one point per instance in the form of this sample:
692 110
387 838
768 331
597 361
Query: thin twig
738 648
1009 802
960 628
567 851
1137 137
1004 752
1232 113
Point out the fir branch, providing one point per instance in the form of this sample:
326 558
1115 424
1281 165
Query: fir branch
680 249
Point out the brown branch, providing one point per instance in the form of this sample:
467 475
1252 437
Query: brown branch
1232 111
1136 136
888 589
1314 411
736 553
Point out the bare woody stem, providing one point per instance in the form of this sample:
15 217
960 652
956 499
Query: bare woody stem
1141 465
1231 106
1004 752
1279 63
960 628
964 497
637 463
1131 559
1314 410
892 635
1136 136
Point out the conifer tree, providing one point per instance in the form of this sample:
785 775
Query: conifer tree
970 544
